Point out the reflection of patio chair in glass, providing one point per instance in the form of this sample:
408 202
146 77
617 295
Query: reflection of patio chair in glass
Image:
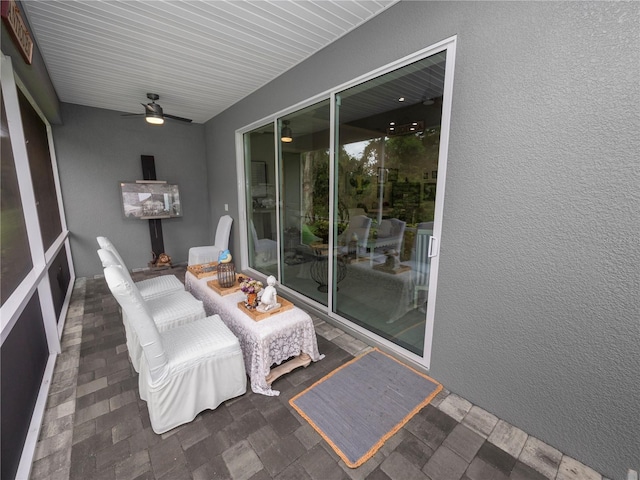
354 212
266 250
358 226
297 247
390 236
421 261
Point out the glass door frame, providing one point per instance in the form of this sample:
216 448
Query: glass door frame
448 45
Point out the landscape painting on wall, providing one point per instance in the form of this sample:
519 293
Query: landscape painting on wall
150 200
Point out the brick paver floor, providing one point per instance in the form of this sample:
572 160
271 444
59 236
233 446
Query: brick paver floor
96 427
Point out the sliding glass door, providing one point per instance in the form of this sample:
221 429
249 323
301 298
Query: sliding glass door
387 148
344 199
304 166
261 199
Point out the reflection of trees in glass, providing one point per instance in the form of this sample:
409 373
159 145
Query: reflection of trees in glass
407 154
315 184
358 184
411 155
315 192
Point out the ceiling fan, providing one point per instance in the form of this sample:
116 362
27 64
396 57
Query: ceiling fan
153 113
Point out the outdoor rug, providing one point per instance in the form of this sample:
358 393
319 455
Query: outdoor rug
361 404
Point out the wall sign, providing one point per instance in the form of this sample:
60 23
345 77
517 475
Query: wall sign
17 28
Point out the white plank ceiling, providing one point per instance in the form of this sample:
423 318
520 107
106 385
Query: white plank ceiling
200 56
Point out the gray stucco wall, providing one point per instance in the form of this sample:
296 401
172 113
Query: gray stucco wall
95 149
537 312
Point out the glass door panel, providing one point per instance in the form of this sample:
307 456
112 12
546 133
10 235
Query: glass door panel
262 232
304 191
387 145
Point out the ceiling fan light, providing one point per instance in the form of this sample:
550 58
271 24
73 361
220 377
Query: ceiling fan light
286 136
154 114
154 119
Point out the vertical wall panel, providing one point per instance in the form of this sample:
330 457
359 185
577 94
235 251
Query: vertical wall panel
44 186
15 257
59 278
31 212
23 358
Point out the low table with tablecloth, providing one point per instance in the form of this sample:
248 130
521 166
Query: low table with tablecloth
264 343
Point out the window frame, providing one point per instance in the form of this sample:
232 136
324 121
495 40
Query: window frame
449 45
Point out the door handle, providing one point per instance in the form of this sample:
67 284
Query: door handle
433 247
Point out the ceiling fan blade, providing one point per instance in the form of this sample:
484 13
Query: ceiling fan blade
182 119
132 114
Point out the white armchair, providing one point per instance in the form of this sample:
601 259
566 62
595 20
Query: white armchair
209 253
185 370
149 288
168 311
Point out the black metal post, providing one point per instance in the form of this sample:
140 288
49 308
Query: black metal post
155 225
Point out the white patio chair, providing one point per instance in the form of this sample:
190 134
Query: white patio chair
209 253
185 370
168 311
150 287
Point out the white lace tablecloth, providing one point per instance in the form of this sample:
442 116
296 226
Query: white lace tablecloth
264 343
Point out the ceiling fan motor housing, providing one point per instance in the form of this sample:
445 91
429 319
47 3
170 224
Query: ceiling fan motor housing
155 109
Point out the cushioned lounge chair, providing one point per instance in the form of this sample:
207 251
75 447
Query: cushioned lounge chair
149 288
209 253
168 311
185 370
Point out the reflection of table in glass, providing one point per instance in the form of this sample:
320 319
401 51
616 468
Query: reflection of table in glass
266 342
381 245
320 266
390 293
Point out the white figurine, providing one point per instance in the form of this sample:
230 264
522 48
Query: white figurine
269 299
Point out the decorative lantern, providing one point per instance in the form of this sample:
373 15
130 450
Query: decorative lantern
226 275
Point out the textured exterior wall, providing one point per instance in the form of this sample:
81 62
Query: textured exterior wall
537 313
95 149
